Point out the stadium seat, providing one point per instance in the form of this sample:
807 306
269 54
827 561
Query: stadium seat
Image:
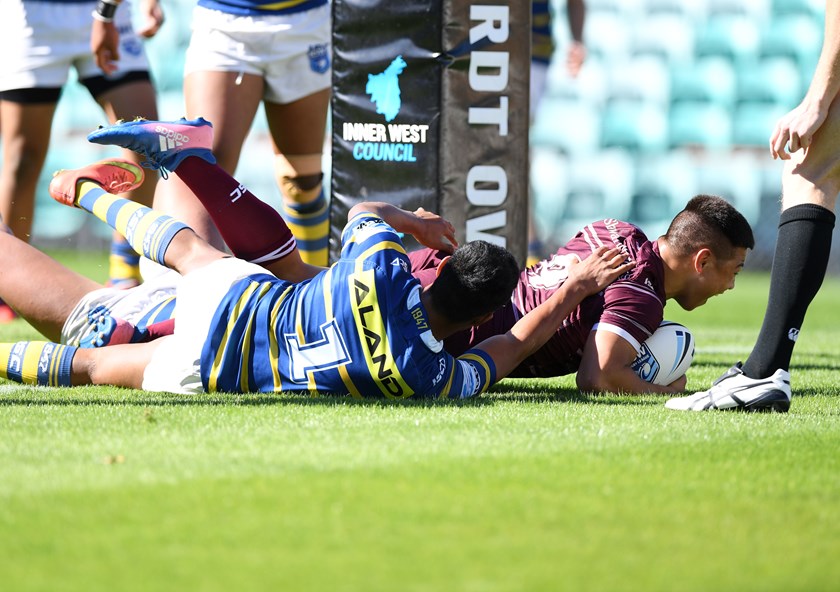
664 183
734 36
566 125
599 185
167 49
624 8
734 177
710 79
758 10
665 34
549 178
699 124
607 35
795 36
753 123
644 78
634 125
807 7
694 10
591 84
772 80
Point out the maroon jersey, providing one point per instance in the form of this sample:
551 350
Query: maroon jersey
632 306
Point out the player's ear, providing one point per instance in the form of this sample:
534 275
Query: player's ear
702 258
443 262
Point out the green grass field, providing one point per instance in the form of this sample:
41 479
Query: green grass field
534 487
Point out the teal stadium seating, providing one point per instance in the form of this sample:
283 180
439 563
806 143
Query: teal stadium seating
700 124
664 183
797 36
644 78
754 122
596 186
568 125
634 124
771 80
667 35
549 180
710 79
734 36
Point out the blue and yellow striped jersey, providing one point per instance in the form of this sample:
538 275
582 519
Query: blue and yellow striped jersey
358 327
258 7
542 35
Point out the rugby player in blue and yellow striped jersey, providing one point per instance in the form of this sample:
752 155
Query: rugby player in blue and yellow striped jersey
363 327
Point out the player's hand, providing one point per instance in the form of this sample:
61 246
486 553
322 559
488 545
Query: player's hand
600 269
796 129
679 384
435 232
575 58
105 45
152 18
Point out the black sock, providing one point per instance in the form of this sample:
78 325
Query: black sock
802 249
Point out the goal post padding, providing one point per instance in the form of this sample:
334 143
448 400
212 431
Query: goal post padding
430 108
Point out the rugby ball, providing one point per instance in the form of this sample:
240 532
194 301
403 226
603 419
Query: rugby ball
666 355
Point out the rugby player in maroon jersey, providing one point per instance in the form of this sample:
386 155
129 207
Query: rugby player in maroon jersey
697 258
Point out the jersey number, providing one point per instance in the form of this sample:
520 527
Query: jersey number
328 352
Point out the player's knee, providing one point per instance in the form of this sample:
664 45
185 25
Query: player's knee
299 177
811 180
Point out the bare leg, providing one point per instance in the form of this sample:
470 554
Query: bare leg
127 101
297 133
26 138
810 184
231 108
38 287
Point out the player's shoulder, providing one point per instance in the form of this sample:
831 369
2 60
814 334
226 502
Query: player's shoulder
368 235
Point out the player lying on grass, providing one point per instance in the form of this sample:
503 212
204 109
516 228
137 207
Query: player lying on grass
698 257
363 327
81 312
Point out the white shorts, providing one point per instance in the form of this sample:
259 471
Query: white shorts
40 41
291 52
175 366
130 305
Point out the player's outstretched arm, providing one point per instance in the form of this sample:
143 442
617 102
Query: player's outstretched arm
605 367
531 332
428 228
117 365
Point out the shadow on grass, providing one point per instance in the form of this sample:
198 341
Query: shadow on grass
521 392
816 361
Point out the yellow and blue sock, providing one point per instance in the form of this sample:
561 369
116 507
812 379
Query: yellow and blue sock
310 225
147 231
123 264
40 363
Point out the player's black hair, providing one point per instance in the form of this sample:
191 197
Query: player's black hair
478 279
708 221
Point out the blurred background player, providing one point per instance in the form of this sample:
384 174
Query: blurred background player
806 138
542 52
40 41
244 53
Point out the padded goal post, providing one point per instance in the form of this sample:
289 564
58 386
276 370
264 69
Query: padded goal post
430 108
